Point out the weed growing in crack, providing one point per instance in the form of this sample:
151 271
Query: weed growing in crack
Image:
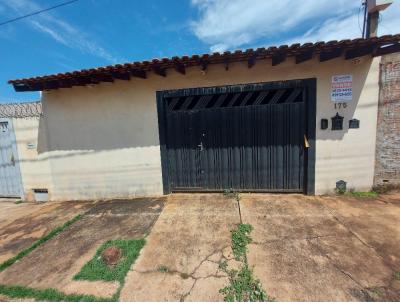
184 276
163 269
240 240
397 276
231 193
243 286
376 290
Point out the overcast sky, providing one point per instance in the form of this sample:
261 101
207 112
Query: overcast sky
91 33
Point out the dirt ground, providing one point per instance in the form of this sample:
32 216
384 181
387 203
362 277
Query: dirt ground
54 264
304 248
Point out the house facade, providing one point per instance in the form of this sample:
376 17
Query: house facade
287 119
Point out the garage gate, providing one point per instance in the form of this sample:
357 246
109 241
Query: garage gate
254 137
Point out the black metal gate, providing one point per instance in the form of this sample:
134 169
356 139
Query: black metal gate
246 137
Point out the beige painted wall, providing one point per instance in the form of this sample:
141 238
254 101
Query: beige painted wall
34 167
102 141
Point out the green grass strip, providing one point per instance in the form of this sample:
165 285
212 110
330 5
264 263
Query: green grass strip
370 194
39 242
50 294
96 269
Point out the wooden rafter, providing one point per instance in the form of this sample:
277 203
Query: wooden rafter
138 73
330 54
278 58
386 50
160 71
304 56
179 67
358 52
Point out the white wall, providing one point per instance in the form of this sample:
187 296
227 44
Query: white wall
102 141
34 167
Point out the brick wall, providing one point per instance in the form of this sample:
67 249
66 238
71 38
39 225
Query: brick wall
387 164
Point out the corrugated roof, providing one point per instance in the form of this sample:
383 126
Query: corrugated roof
374 46
20 110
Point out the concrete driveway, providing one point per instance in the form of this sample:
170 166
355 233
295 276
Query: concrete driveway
23 224
53 264
325 249
304 249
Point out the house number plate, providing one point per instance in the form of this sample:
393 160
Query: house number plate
340 105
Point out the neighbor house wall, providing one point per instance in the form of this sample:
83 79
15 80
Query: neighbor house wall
34 167
102 141
387 167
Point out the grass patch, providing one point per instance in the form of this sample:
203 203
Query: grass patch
96 269
371 194
39 242
50 294
243 286
19 201
396 276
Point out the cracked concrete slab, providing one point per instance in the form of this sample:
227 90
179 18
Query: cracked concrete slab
323 248
190 238
54 264
22 224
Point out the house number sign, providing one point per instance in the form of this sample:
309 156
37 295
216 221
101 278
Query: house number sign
340 105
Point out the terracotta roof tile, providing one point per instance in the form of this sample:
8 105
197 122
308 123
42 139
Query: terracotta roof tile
138 68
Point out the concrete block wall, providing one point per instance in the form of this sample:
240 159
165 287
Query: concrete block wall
387 163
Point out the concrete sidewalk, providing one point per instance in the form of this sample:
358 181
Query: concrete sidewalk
181 257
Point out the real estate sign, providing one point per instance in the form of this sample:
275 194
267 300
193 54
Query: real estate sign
342 88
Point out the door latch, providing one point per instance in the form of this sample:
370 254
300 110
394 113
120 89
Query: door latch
201 146
306 143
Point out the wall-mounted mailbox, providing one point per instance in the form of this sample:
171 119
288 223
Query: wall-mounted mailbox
324 123
341 186
337 122
354 123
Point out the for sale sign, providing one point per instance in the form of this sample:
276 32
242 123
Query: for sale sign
342 88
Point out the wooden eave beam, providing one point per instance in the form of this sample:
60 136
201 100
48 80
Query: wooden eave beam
52 84
139 73
203 64
358 52
386 50
36 86
278 58
304 56
121 75
327 55
179 67
104 78
19 87
160 71
65 83
226 63
251 61
84 80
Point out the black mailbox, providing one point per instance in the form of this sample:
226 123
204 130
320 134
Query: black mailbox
354 123
324 124
337 122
